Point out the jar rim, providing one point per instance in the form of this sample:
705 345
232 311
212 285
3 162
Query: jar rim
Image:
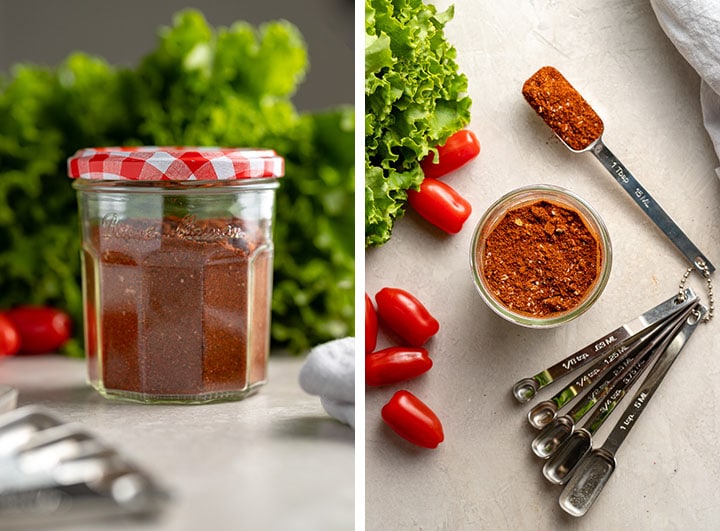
565 197
174 163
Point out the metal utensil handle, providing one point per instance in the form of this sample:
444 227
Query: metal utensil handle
619 388
629 330
652 382
651 207
616 358
8 398
602 388
617 393
625 373
526 388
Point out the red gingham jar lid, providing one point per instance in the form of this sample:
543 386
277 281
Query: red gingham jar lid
153 163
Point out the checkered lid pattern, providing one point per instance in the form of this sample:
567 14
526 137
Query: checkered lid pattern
152 163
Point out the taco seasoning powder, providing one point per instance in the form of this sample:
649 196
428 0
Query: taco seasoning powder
177 270
540 256
541 259
562 108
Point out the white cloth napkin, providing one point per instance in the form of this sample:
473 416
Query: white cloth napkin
329 372
694 28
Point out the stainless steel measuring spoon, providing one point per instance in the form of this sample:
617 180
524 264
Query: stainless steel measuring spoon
525 389
8 398
546 412
559 468
98 484
561 428
651 207
34 462
19 426
596 468
52 472
547 84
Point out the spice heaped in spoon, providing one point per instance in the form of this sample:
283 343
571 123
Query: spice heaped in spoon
580 128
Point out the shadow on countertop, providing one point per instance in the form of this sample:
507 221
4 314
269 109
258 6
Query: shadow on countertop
59 396
314 427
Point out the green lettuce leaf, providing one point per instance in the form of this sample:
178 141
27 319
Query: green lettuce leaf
415 98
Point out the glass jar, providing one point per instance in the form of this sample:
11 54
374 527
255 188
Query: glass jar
177 269
549 260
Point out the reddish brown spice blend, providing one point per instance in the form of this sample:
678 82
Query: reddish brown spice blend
563 108
540 259
184 306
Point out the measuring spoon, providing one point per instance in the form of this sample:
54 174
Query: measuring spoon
544 91
559 468
35 462
525 389
17 427
8 398
545 413
594 471
558 431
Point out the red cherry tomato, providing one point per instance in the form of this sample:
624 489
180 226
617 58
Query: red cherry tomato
9 337
42 330
459 149
395 364
413 420
371 326
440 204
406 316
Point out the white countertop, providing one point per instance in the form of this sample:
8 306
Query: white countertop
484 476
273 461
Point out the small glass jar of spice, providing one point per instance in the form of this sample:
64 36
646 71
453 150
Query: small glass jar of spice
177 270
540 256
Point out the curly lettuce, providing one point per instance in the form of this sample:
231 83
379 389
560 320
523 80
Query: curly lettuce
415 98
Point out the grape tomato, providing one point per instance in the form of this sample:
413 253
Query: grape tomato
42 329
457 151
396 364
441 205
405 315
413 420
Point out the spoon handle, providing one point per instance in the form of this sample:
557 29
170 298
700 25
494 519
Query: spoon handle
653 380
616 358
601 389
525 389
620 387
8 398
646 202
594 470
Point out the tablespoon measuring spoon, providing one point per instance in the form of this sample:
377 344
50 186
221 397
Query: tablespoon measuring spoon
596 468
559 468
580 128
525 389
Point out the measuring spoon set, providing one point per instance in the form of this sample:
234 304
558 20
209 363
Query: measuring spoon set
600 376
54 472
